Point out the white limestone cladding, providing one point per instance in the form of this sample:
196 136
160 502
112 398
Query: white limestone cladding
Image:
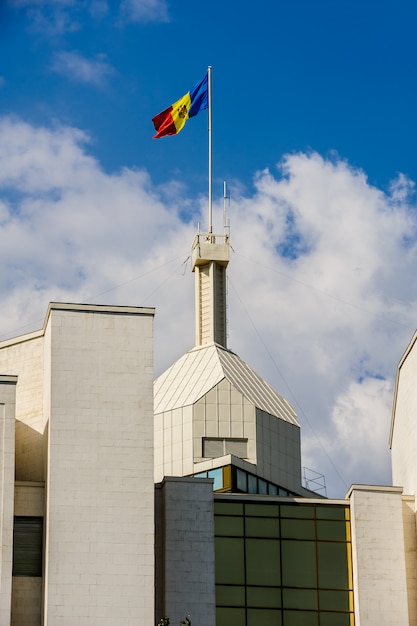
84 411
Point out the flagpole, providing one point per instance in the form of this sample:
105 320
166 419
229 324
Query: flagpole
210 171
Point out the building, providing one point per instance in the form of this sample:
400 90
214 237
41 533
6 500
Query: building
120 505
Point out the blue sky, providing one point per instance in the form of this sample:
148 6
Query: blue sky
314 129
288 76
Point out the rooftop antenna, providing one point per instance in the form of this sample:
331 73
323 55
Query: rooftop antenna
210 169
226 222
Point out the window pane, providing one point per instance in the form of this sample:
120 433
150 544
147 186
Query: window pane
230 617
257 617
225 525
262 562
262 510
297 510
262 527
332 531
299 563
334 600
272 489
331 512
300 618
335 619
252 484
333 565
217 474
264 597
27 546
298 529
229 561
228 508
300 599
229 595
241 480
262 486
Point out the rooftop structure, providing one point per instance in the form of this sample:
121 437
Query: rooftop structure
227 535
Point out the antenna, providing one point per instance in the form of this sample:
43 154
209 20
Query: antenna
226 225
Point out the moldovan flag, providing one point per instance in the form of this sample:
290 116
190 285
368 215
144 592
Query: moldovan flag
172 120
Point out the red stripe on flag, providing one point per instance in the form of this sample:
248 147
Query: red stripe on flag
164 124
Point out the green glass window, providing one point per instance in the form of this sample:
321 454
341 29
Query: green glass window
262 510
331 531
230 595
295 510
332 565
298 529
230 563
262 562
299 599
331 512
264 597
232 526
257 617
334 600
300 618
226 616
299 563
262 527
228 508
290 568
336 619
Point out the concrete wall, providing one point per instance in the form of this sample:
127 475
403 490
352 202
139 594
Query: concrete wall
7 463
378 556
185 523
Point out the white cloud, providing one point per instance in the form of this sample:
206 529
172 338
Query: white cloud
56 17
319 293
52 17
76 67
144 10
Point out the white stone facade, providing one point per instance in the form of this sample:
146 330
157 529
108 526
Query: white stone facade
7 468
378 556
84 428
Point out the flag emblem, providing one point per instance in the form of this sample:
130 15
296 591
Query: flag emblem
172 120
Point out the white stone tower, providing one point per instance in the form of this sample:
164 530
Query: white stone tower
214 416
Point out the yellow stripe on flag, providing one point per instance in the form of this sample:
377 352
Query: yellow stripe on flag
180 110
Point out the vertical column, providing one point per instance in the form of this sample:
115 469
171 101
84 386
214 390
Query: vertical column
99 568
378 556
188 551
7 454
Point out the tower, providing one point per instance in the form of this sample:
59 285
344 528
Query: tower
214 416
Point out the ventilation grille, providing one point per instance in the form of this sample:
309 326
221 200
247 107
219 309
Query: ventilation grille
216 446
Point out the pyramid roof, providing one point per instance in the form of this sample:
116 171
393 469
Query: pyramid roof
202 368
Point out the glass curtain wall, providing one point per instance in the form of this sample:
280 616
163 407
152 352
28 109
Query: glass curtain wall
283 564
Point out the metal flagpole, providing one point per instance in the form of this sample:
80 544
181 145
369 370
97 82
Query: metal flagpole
210 177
